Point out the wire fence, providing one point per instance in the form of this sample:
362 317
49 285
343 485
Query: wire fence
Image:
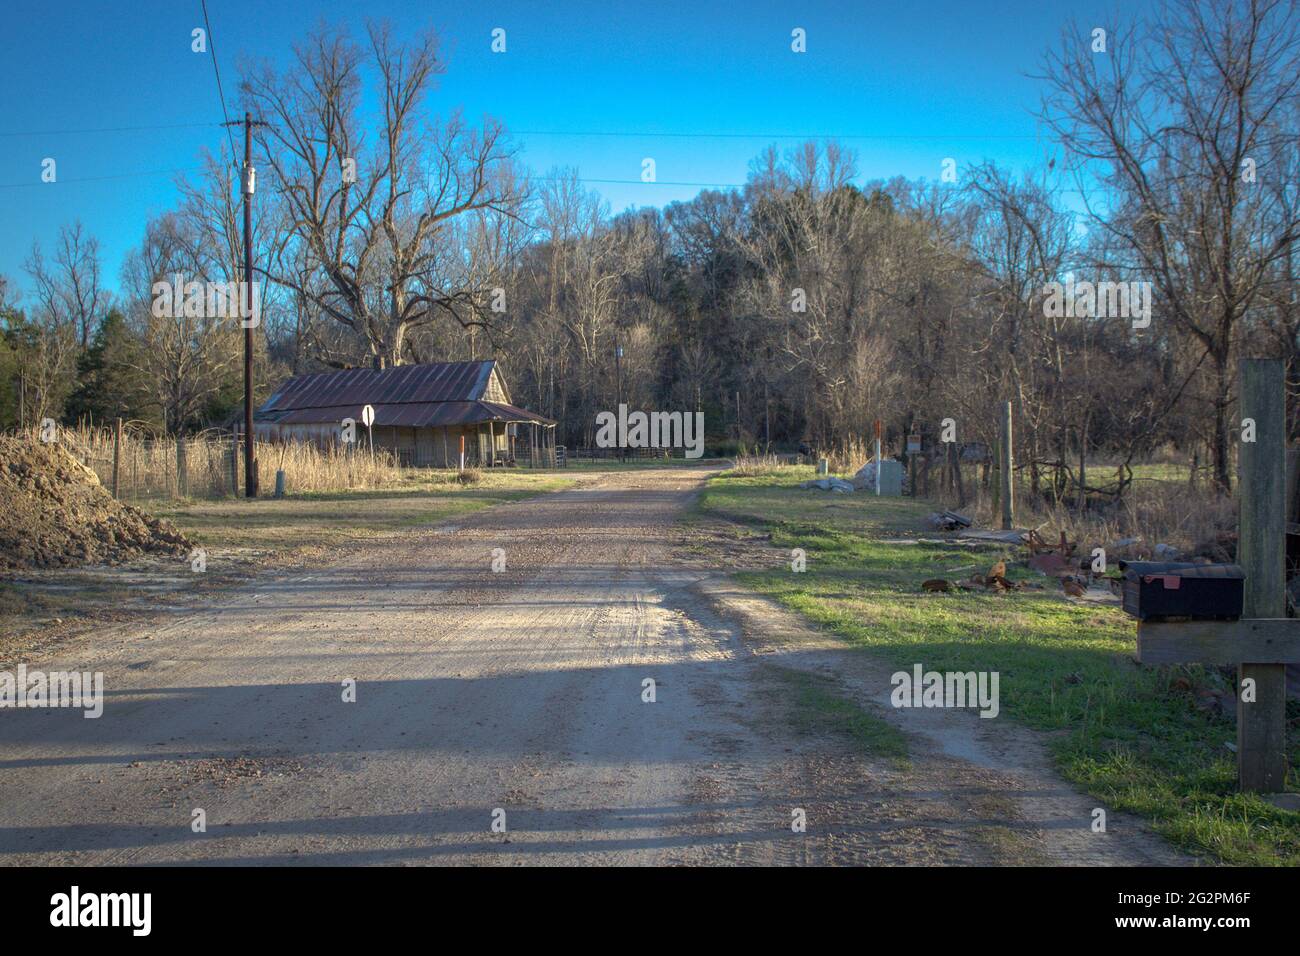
138 465
616 454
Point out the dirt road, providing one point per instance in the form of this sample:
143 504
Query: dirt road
515 696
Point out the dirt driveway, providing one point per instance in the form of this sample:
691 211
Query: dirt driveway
516 696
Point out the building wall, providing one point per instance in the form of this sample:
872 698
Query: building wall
424 447
495 391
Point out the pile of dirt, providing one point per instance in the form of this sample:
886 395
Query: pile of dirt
55 513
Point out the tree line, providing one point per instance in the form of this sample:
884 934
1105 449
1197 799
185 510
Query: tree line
800 307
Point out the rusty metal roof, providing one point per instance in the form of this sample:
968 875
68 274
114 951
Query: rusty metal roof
404 414
402 384
408 396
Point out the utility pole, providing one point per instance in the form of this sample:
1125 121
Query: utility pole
249 183
618 379
1008 459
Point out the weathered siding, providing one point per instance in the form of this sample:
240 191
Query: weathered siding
424 447
495 390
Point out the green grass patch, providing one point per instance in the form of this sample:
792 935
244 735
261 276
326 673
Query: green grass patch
1130 735
820 707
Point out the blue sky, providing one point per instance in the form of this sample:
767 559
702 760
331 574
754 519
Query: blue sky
917 81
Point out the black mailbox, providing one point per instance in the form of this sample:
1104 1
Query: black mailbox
1156 589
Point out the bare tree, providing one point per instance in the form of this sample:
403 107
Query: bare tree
68 303
1177 142
187 358
377 213
69 289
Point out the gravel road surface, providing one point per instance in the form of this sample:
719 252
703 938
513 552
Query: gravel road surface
515 697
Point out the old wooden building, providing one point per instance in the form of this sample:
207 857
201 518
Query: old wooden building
421 414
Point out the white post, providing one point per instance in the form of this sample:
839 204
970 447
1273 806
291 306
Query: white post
878 462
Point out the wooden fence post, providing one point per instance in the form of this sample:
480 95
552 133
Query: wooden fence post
1005 476
117 459
1261 552
182 478
1264 639
995 466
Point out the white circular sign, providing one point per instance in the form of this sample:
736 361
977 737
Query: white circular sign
368 415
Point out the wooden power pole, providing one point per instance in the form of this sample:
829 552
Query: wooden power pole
249 182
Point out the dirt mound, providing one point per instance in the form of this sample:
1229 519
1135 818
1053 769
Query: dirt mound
55 513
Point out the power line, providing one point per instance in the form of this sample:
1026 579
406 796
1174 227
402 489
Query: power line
629 134
106 129
801 136
581 179
98 179
640 182
187 169
212 48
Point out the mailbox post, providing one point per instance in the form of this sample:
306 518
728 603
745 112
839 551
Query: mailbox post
1264 640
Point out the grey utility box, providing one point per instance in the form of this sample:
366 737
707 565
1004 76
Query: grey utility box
891 478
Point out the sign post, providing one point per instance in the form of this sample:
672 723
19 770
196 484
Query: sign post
368 419
1265 639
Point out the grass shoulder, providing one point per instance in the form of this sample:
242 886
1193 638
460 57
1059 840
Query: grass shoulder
1130 735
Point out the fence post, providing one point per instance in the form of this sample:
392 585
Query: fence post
1261 723
1008 460
234 467
117 458
182 475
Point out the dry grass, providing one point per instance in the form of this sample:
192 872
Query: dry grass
1161 506
757 465
847 456
152 468
1164 508
333 468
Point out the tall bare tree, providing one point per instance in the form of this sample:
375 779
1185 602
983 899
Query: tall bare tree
1176 143
377 213
69 288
